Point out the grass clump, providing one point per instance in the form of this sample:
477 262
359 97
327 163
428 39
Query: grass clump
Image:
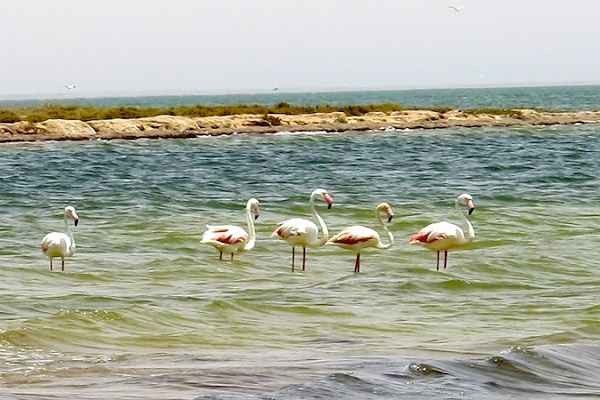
272 120
9 116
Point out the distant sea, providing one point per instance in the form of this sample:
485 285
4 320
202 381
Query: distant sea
551 97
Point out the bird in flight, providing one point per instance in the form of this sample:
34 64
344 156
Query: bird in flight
456 9
70 86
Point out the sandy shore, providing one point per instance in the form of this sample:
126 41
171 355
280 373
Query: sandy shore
180 127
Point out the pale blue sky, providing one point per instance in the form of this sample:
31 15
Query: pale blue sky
198 46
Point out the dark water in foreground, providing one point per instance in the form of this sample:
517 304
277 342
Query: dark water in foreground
145 311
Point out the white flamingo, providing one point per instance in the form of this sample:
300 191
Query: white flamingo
234 239
302 232
444 236
355 238
58 244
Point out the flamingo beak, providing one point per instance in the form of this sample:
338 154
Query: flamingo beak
256 216
76 221
390 218
328 199
471 206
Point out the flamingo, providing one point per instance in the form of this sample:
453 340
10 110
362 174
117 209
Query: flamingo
444 236
302 232
58 244
355 238
234 239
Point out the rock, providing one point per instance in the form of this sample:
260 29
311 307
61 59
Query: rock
65 129
259 122
19 128
171 126
310 119
455 114
7 129
115 126
167 123
414 116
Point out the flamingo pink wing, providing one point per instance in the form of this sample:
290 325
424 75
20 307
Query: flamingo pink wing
282 232
225 236
285 230
427 236
350 238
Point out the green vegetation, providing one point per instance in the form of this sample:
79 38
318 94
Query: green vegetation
9 116
88 113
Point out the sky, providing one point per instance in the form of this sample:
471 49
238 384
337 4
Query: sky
128 47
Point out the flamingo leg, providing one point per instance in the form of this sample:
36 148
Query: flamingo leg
357 263
293 257
62 264
220 255
303 259
437 268
231 257
445 259
50 263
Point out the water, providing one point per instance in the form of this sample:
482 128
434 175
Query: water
553 97
144 311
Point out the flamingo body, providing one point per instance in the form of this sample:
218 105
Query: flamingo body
356 238
57 244
302 232
233 239
444 236
226 238
298 232
439 236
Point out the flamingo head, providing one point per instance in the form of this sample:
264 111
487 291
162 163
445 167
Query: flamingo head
325 195
71 214
466 201
254 207
385 212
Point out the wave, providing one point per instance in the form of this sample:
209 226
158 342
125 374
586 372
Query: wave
550 372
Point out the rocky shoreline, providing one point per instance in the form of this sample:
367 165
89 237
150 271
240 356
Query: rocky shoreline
166 126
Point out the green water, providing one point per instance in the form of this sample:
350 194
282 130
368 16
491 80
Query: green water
145 311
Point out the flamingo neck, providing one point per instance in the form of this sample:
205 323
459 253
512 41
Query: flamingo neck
469 232
71 236
320 221
251 231
389 234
